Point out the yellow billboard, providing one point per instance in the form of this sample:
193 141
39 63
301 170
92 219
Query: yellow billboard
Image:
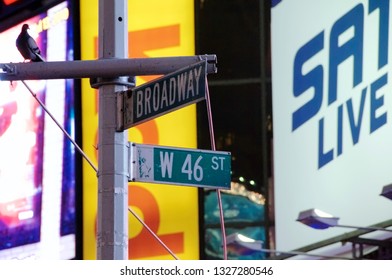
156 29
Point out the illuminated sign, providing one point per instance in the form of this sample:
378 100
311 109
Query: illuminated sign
160 28
331 113
9 2
10 7
37 164
314 78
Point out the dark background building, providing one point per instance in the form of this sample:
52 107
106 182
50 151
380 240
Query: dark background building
238 32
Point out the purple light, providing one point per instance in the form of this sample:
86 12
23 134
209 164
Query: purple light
387 191
317 219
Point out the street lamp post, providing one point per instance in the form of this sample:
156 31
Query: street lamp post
244 243
318 219
387 191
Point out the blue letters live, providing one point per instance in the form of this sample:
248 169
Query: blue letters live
370 93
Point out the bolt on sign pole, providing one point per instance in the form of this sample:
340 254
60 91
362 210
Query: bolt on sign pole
112 224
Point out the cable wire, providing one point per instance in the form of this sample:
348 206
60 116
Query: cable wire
153 234
59 125
92 165
218 192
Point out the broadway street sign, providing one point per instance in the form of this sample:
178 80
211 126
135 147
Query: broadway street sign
179 166
163 95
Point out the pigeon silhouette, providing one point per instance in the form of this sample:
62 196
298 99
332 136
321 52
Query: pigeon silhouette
27 46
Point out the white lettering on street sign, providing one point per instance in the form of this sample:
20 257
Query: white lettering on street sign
180 166
166 94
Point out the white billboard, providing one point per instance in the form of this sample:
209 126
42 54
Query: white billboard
332 114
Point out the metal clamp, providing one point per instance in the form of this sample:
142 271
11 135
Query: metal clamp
212 61
130 81
9 69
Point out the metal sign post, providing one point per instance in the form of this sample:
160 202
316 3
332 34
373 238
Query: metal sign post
101 68
112 224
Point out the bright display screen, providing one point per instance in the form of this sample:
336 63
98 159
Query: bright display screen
173 220
37 162
332 114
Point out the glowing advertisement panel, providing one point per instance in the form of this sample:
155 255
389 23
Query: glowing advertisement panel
37 165
156 29
332 107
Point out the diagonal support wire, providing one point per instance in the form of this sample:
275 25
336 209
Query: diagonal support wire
59 125
218 192
152 233
92 165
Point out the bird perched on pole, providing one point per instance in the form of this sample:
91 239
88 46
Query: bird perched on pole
27 46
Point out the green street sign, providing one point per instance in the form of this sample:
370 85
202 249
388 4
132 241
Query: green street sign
179 166
164 95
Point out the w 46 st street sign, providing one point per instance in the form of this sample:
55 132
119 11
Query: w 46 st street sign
179 166
163 95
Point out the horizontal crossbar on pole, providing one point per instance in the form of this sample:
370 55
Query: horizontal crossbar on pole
101 68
